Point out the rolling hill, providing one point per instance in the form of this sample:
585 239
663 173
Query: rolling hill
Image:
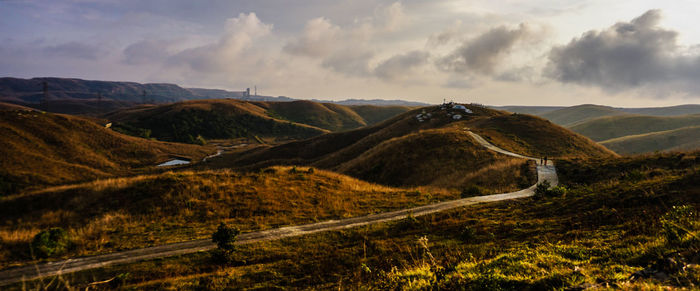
610 127
211 119
40 149
230 118
685 138
570 116
400 150
328 116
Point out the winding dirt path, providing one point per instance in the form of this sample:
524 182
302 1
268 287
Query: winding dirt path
31 272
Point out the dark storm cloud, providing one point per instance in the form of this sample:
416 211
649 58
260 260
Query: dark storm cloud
397 65
627 55
483 53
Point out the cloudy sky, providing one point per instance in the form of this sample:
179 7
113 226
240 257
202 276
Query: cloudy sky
526 52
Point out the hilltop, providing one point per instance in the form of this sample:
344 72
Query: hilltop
210 119
41 149
230 118
400 150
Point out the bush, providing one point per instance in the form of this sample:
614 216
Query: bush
545 189
225 238
678 222
471 191
51 242
542 188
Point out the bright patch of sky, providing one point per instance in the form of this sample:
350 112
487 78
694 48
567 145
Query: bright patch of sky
536 52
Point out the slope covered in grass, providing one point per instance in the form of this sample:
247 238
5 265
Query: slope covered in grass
612 223
323 115
686 138
229 118
438 143
606 128
373 114
211 119
535 137
570 116
446 157
47 149
140 211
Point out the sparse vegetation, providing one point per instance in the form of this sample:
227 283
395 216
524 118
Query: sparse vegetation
50 242
605 233
126 213
52 149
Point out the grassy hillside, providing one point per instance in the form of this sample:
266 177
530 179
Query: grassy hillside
48 149
665 111
570 116
605 128
686 138
323 115
373 114
377 152
446 157
614 227
140 211
230 118
536 137
210 119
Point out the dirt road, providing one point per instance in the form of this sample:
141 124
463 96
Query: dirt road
19 274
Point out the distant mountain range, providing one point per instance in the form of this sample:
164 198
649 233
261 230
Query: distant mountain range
77 96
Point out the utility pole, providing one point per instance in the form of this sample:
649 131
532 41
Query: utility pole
143 97
256 90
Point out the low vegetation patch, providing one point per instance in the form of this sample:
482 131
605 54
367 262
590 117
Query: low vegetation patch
127 213
605 232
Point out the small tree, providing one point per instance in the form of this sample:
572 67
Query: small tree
225 238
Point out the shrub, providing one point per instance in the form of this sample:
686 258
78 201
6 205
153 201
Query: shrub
542 188
545 189
471 191
225 238
678 222
51 242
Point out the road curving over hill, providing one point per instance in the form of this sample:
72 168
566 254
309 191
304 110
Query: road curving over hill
19 274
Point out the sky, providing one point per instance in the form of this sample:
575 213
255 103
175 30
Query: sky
630 53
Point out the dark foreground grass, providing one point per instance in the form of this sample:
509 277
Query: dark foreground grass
599 233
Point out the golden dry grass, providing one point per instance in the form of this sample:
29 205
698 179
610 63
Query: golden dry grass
125 213
41 149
